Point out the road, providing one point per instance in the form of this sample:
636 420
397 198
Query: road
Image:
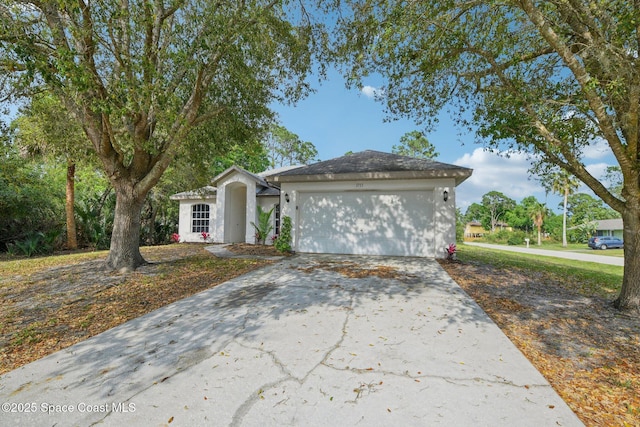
602 259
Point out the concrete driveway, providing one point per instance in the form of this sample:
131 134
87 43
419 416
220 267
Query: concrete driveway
309 341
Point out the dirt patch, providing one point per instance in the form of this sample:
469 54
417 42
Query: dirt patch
54 307
358 271
586 349
257 250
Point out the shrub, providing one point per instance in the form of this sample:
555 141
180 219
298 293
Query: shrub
30 245
283 242
264 227
516 238
498 237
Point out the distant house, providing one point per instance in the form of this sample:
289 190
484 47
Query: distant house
368 203
475 230
609 227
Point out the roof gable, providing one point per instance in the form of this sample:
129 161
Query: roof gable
236 169
372 164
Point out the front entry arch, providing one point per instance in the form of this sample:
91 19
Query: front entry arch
235 213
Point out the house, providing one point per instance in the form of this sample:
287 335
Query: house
474 230
609 227
368 203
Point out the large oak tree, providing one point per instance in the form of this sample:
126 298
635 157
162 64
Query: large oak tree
141 75
548 77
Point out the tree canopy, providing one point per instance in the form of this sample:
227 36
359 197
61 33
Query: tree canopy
285 148
141 76
497 205
546 77
415 144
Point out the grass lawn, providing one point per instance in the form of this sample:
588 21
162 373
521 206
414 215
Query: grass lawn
558 312
588 278
571 247
579 247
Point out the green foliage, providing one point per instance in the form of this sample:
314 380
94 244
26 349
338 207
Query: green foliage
45 127
497 205
285 148
95 220
477 212
553 226
29 246
264 226
415 144
31 194
460 225
283 242
519 217
249 156
582 208
516 238
506 237
36 243
582 232
498 237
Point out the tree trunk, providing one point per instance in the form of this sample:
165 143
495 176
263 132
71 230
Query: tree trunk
564 219
124 252
629 297
151 234
539 236
72 237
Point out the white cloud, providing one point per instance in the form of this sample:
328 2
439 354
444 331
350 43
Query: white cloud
371 92
491 172
510 176
598 170
597 150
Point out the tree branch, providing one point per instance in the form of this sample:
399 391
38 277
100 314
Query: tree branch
586 82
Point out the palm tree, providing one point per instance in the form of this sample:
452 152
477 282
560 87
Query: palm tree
537 213
564 184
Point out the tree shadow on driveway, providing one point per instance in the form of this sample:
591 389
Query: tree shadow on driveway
401 318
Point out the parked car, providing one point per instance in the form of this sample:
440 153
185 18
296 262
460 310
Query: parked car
605 242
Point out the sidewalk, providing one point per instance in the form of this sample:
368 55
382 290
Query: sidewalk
602 259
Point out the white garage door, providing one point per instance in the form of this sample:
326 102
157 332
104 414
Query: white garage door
367 223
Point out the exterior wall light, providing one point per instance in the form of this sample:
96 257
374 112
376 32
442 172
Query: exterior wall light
286 197
445 195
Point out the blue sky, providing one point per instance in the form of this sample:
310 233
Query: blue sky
337 120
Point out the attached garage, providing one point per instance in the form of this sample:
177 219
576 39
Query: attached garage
372 203
366 222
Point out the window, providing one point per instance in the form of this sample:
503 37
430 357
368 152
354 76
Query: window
199 218
277 210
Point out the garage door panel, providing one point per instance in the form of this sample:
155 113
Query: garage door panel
373 223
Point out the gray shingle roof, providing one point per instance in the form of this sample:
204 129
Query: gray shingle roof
372 164
609 224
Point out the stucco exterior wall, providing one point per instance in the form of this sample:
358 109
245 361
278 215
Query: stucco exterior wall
185 219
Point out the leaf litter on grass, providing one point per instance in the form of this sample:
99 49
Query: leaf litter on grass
585 348
63 303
